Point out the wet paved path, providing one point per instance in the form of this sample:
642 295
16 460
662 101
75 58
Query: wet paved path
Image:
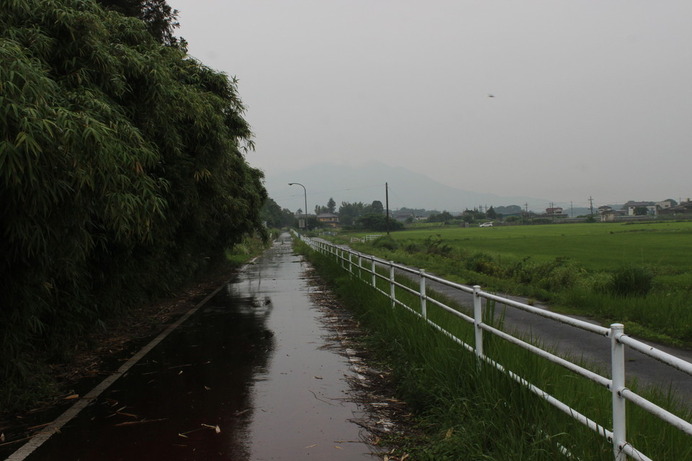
250 376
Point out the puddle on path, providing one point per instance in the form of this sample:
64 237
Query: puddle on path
248 377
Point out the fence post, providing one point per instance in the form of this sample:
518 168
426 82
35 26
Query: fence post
360 265
423 296
478 319
374 273
617 359
350 263
392 287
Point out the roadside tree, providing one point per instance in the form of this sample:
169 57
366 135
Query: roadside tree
331 205
378 222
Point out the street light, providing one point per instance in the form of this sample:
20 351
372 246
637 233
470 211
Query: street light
305 192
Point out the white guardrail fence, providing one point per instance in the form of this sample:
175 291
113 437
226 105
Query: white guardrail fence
351 260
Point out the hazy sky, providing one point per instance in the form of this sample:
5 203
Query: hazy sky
547 98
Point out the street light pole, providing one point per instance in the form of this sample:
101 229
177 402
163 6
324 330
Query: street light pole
305 192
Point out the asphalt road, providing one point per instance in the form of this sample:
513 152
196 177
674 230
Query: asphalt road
576 343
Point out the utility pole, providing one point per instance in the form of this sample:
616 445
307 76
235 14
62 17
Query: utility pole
591 205
386 199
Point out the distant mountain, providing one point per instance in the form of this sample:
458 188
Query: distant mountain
366 183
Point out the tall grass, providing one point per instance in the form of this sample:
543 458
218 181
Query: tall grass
249 247
464 410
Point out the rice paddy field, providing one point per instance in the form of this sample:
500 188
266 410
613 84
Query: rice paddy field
600 246
640 274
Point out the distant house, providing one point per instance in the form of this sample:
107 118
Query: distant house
555 212
328 219
681 208
609 215
631 207
665 204
403 216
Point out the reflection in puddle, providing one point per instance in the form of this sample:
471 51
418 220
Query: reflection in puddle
190 398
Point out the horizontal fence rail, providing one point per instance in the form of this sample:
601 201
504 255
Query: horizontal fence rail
376 270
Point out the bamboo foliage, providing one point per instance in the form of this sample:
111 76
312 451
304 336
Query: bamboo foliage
121 169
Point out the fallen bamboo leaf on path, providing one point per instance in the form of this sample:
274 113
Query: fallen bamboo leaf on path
142 421
38 426
216 428
321 400
180 366
15 441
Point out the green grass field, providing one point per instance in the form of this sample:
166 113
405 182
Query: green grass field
571 266
595 246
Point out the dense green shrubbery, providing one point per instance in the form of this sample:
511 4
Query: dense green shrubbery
631 281
377 223
385 242
434 245
556 275
483 263
121 170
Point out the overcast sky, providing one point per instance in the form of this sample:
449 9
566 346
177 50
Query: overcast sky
547 98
